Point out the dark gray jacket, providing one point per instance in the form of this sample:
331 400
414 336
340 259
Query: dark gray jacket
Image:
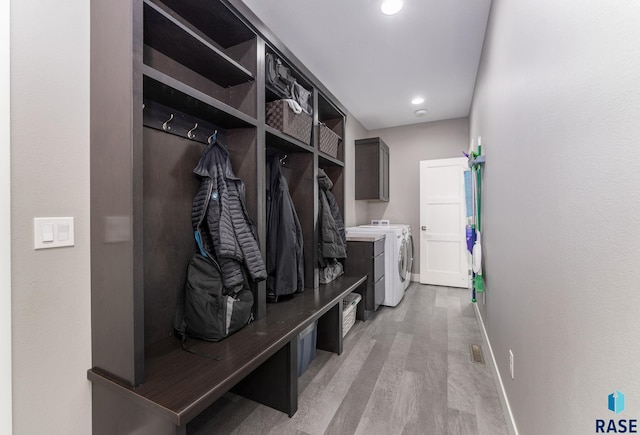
220 217
284 238
333 240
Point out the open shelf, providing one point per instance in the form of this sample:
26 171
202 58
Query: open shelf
327 160
331 118
214 19
327 112
168 91
300 78
276 138
169 34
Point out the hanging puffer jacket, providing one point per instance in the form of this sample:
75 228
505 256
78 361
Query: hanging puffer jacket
333 240
220 218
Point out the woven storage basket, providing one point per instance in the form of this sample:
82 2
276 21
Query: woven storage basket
349 305
328 140
281 117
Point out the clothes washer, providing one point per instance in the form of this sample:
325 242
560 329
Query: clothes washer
397 263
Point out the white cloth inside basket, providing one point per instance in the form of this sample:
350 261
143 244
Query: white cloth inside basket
295 107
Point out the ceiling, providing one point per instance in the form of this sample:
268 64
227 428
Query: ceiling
376 64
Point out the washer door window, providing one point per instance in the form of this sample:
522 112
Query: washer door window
409 255
405 258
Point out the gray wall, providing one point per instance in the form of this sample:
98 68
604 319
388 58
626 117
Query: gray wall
407 146
5 224
355 212
51 331
557 104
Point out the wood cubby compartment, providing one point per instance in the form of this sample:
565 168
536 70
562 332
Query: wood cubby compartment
336 175
298 171
202 59
333 118
270 93
169 188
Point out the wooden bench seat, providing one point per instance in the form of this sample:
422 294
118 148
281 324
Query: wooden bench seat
258 362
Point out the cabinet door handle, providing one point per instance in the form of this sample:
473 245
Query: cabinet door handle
424 228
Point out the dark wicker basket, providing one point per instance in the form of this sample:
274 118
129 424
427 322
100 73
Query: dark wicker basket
280 116
328 140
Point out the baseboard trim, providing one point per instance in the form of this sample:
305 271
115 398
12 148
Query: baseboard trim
502 393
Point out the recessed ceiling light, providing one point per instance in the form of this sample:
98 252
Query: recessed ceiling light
390 7
421 112
417 100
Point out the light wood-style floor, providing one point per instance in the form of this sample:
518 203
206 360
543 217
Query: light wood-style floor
407 370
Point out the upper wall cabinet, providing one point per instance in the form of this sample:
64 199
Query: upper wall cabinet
372 169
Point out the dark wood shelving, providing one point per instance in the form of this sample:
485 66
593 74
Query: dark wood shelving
168 91
175 38
327 160
333 119
328 111
202 61
271 94
214 19
155 115
299 76
284 142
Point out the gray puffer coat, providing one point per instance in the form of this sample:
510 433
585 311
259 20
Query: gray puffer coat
332 235
220 217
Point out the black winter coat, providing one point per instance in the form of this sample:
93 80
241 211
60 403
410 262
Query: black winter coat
333 240
285 266
220 216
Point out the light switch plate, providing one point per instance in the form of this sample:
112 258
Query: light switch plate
53 232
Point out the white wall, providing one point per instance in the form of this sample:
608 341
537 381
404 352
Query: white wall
5 223
407 146
557 104
50 177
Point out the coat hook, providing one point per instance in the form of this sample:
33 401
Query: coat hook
213 137
283 159
165 125
190 133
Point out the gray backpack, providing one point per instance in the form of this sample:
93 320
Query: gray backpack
207 310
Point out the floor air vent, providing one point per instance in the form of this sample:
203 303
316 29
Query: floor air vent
476 354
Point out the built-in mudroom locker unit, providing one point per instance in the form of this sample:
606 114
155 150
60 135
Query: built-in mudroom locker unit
166 79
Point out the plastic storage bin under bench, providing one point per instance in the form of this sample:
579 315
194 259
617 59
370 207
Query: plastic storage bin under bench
349 305
280 116
307 347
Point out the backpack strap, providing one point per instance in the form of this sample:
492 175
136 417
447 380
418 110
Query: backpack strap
195 352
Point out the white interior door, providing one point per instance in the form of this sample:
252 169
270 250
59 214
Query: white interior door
443 254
